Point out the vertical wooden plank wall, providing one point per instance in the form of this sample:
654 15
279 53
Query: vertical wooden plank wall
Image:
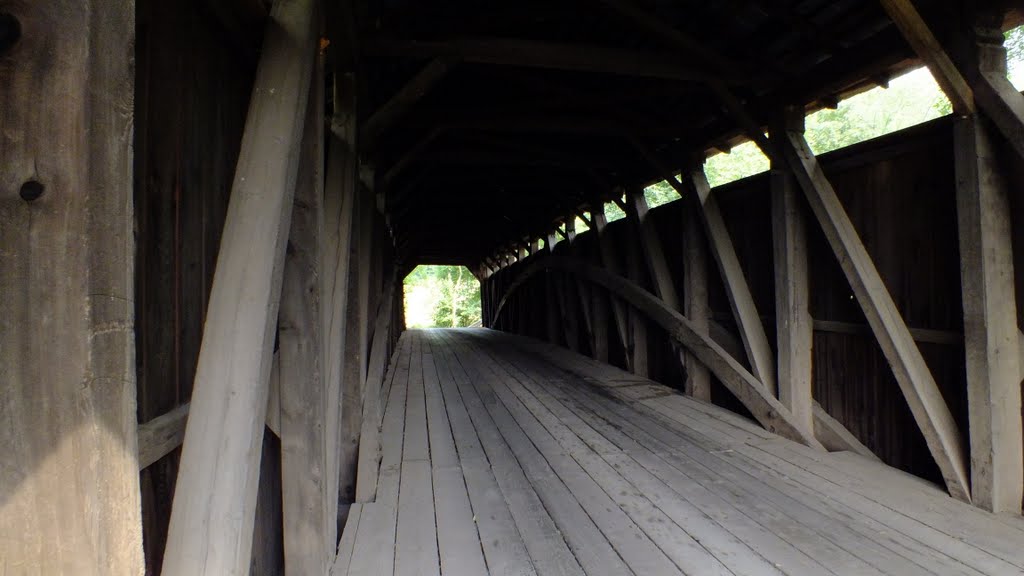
69 486
186 145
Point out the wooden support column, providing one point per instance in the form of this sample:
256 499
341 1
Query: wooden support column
551 304
637 322
214 505
990 321
339 205
373 401
695 299
609 261
920 37
654 255
300 335
650 246
356 324
69 483
915 380
793 324
752 332
579 289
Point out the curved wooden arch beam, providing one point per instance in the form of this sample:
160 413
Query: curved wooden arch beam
768 411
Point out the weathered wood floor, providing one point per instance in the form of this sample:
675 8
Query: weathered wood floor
505 456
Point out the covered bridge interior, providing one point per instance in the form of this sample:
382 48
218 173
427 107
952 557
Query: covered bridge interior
207 209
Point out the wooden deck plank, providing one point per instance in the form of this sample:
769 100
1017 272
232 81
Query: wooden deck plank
679 546
457 538
416 551
374 548
591 548
502 457
628 540
348 541
663 441
923 554
500 533
726 549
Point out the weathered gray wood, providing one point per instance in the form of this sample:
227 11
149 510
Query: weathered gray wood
214 506
354 361
584 532
300 337
416 550
458 541
652 252
654 256
496 492
764 407
347 545
990 321
834 436
794 333
69 484
917 33
609 261
161 435
695 299
374 548
915 380
755 341
339 210
373 401
637 347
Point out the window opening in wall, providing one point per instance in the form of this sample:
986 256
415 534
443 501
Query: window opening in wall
612 212
441 297
581 225
660 193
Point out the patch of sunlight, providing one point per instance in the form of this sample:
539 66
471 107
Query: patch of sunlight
660 193
742 161
441 297
910 99
612 212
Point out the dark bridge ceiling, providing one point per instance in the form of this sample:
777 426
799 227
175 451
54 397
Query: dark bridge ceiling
488 121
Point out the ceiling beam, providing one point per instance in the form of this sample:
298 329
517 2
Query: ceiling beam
555 56
400 103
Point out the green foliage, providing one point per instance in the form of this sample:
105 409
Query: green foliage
742 161
660 193
441 297
612 212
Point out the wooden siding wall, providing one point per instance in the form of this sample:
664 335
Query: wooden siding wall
192 93
899 191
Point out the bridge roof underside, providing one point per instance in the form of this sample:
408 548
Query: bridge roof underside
487 123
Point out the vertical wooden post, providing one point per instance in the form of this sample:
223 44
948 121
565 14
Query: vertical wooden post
695 299
339 207
373 402
793 324
551 304
300 328
609 261
990 321
355 351
70 478
752 332
637 321
915 379
214 502
654 255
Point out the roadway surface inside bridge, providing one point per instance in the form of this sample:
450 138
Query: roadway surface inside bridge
502 455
